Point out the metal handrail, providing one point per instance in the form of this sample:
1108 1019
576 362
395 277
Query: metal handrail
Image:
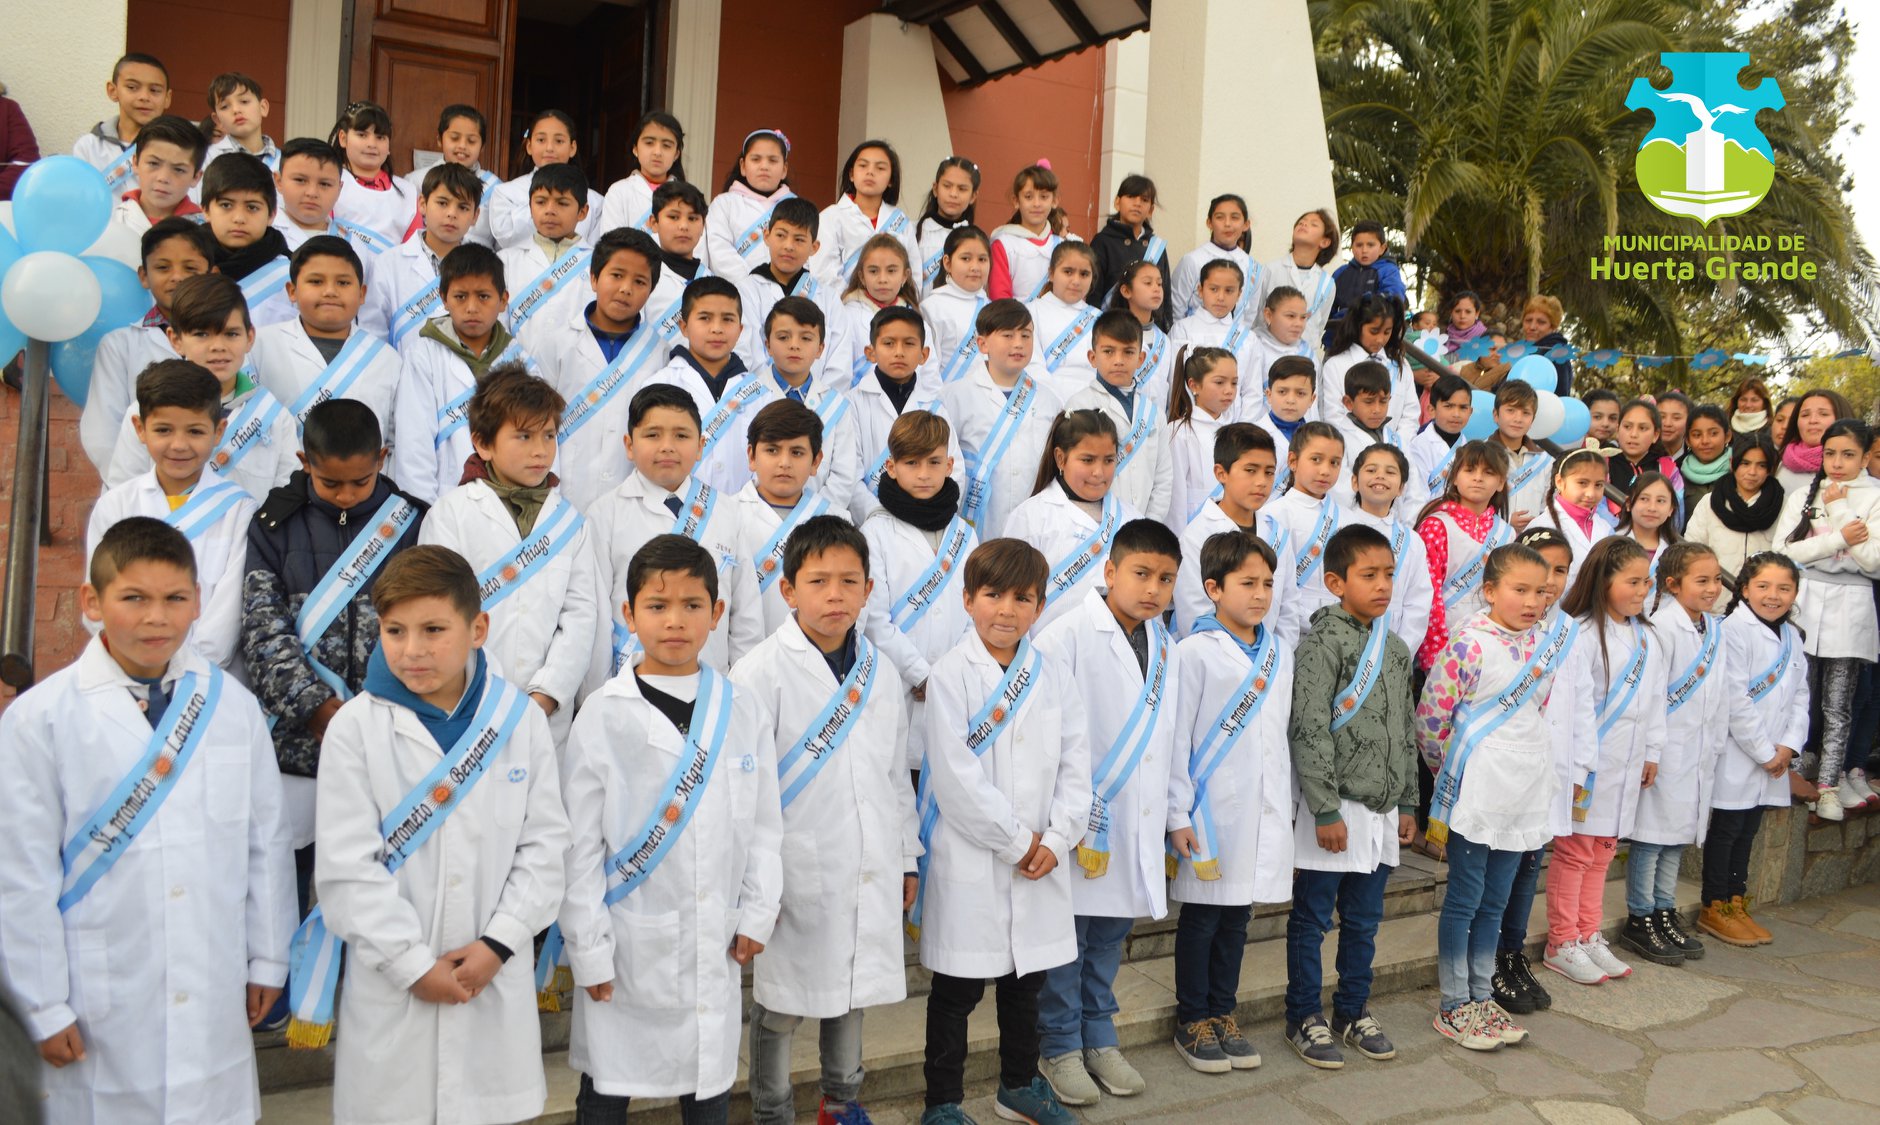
28 518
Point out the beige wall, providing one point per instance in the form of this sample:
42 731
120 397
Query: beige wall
891 91
56 73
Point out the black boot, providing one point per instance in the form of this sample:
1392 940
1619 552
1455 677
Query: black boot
1511 991
1672 927
1519 965
1641 936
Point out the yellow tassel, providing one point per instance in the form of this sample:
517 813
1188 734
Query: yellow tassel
1096 864
563 981
1172 864
1207 870
308 1036
1436 832
913 931
548 1000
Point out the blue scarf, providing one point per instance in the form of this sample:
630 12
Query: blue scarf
1212 624
445 729
1285 427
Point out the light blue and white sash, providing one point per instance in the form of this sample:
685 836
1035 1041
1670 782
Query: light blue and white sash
1520 478
830 728
362 237
769 561
1471 725
210 501
361 350
347 577
601 389
926 589
961 359
1619 696
555 527
1236 336
265 283
1153 249
832 409
1137 435
1399 538
982 465
748 390
1125 753
1060 347
530 301
1312 554
695 515
417 309
1347 703
1088 553
1239 713
859 369
1684 689
891 220
1763 684
753 235
871 480
931 269
107 834
1155 342
1044 283
1442 467
1320 293
1249 286
684 789
455 414
1463 580
250 427
982 731
121 174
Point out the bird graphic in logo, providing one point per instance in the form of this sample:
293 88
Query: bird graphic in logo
1704 157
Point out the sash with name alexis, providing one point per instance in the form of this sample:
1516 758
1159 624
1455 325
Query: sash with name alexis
1125 753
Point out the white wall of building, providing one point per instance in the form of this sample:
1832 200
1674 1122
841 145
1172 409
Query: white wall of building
692 79
891 89
1125 114
55 59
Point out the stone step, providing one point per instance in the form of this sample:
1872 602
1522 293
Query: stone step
1405 960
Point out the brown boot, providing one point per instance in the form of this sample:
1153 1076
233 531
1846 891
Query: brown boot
1762 936
1722 921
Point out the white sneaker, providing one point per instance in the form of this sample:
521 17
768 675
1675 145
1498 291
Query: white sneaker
1465 1025
1571 961
1856 780
1828 805
1602 955
1495 1021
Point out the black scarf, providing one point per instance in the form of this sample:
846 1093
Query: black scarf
239 263
931 514
1744 518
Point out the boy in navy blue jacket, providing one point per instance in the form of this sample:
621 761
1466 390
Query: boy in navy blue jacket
1368 271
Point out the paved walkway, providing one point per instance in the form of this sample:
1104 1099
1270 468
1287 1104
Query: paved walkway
1788 1032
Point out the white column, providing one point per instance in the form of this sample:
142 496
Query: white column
1225 118
55 59
1125 114
313 68
692 81
891 90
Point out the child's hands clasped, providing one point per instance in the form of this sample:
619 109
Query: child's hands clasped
476 965
1038 861
1184 842
439 984
1776 766
63 1048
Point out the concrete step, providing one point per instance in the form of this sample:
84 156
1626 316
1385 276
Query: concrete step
1406 960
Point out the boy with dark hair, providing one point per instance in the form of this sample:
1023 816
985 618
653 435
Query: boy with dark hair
594 350
143 748
172 250
1370 270
1145 470
238 196
793 334
658 1011
839 725
1354 757
322 353
403 284
167 161
180 421
307 185
1003 414
784 450
140 87
790 237
1530 468
532 551
900 382
1363 420
997 824
555 254
1291 384
710 369
240 110
1245 465
1115 649
1452 401
442 836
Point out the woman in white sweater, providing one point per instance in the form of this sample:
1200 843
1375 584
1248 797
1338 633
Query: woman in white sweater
1737 518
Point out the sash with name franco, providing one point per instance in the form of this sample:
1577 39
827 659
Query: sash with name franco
1721 257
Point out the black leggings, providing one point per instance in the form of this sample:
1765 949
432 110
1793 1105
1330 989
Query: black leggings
951 1001
1726 852
592 1107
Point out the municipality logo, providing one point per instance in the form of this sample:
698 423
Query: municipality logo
1705 158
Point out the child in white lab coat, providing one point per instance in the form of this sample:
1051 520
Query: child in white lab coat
1073 512
1650 517
1372 330
139 90
865 208
952 306
1279 331
1023 248
1313 245
850 838
1364 421
1243 462
1145 472
238 198
653 160
1377 474
1574 504
674 875
793 339
1529 466
179 420
1231 789
1307 516
370 194
1139 293
1433 449
533 554
898 384
321 353
1062 317
1290 384
1201 401
949 207
790 231
1115 646
462 132
784 447
1002 410
1227 239
404 284
145 754
882 278
1215 323
1005 794
307 186
439 750
552 139
734 231
548 264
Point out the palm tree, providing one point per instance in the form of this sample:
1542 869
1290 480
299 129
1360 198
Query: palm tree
1494 134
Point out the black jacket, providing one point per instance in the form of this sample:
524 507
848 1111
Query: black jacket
1117 248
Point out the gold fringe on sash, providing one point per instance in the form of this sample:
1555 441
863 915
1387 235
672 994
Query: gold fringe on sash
1096 864
308 1036
559 995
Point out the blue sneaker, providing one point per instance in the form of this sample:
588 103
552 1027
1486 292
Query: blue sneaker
842 1113
1035 1104
950 1114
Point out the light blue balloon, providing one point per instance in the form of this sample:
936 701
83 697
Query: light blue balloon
1537 370
1482 419
72 361
11 338
60 203
124 300
1573 430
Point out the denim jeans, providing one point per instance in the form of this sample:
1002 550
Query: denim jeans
772 1100
1077 1006
1862 751
594 1108
1651 877
1358 897
1469 929
1209 943
1514 920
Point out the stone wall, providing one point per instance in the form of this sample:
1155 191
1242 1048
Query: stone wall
1796 859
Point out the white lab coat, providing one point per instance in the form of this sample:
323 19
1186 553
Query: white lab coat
571 360
507 207
524 264
758 294
1147 483
1329 403
974 404
1296 515
1577 541
1057 525
1191 598
621 522
898 554
386 213
396 276
1357 440
1185 280
873 415
672 1026
221 560
1191 457
1158 355
854 330
100 147
1430 456
729 466
732 213
267 464
844 230
1757 727
952 314
980 918
1090 645
1411 594
931 234
1027 258
1201 329
1314 281
1635 738
1571 727
1250 792
543 634
122 355
1835 609
1676 808
756 522
493 867
628 203
431 376
1050 320
285 361
151 964
1531 495
848 838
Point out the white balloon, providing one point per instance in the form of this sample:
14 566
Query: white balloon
118 242
6 214
51 296
1549 416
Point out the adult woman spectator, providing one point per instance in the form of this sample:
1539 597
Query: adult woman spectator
18 147
1749 407
1540 325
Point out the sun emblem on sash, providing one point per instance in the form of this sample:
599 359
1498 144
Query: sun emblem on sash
671 815
221 458
1259 683
1347 704
770 565
946 564
855 696
441 794
509 574
163 765
698 510
386 531
998 714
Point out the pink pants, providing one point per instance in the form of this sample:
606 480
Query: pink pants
1576 887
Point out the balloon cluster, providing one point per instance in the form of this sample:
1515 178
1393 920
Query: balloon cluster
62 274
1557 418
